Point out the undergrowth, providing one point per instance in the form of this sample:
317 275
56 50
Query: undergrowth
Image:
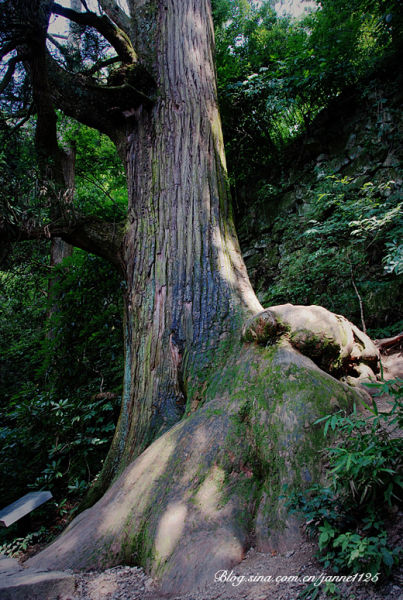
349 514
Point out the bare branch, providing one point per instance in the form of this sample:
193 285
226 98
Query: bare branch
20 123
62 49
116 14
9 73
83 2
113 34
9 47
88 233
101 64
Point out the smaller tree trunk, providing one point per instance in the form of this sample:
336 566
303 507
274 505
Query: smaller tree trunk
59 249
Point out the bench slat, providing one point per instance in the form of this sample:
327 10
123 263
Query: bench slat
18 509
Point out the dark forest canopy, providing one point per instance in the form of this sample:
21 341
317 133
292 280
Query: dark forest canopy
112 143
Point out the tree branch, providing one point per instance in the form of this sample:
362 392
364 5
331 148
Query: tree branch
389 342
113 34
62 49
25 118
101 64
99 106
9 73
83 2
116 14
9 47
85 232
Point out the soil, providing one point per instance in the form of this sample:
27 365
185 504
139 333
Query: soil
124 583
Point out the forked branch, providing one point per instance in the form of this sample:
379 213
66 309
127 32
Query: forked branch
113 34
116 14
9 73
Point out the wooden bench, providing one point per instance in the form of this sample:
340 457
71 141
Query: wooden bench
18 509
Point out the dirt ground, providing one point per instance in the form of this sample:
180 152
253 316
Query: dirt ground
124 583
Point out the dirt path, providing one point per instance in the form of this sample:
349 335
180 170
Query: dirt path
131 583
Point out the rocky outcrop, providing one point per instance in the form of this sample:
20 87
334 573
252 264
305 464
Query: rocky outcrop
19 583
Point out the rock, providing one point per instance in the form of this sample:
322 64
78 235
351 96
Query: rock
9 565
29 584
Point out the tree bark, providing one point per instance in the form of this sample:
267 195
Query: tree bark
88 233
188 289
59 248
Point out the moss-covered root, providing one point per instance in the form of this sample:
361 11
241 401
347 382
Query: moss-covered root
330 340
190 504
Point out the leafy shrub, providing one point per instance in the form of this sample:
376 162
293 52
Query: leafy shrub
54 443
60 329
60 391
327 246
276 73
16 547
364 481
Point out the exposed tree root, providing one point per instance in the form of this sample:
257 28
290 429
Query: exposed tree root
202 493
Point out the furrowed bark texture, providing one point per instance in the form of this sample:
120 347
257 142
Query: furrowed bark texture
187 284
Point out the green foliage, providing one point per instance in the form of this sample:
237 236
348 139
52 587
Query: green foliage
326 248
340 243
275 74
364 481
327 590
84 334
16 547
20 193
63 455
62 389
393 259
60 327
23 290
100 178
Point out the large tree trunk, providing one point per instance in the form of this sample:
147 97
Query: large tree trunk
187 286
194 500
